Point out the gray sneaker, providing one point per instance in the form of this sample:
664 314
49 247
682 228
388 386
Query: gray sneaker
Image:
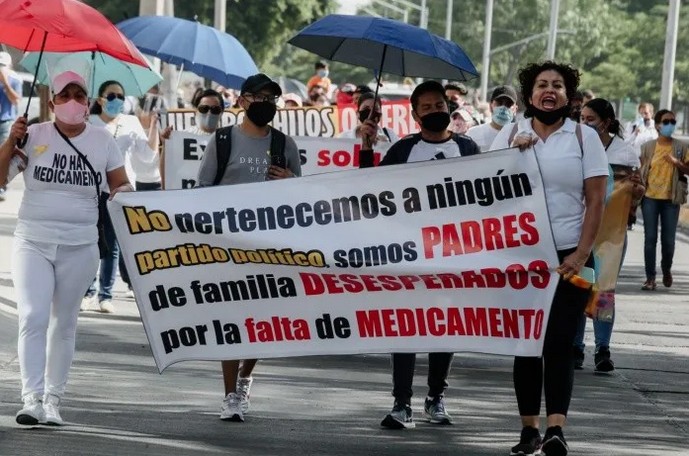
231 409
399 418
434 411
244 392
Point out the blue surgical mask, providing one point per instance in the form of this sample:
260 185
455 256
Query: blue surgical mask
208 121
502 115
113 108
667 130
323 73
594 126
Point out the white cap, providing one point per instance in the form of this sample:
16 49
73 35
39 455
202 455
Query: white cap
5 58
62 80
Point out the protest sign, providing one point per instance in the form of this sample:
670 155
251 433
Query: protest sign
322 121
183 153
446 255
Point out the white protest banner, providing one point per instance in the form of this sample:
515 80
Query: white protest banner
446 255
183 153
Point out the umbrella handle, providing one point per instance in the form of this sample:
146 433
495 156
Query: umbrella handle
35 75
380 73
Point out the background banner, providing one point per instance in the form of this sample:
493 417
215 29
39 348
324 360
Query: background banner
445 255
183 153
324 121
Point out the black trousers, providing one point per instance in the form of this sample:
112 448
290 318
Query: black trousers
140 187
554 371
403 374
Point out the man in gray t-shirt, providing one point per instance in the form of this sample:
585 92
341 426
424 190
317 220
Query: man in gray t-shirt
250 155
249 161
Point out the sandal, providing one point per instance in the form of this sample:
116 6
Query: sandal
649 285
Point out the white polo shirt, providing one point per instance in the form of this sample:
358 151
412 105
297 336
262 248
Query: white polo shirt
564 170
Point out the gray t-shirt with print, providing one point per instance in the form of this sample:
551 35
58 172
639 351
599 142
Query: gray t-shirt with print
249 159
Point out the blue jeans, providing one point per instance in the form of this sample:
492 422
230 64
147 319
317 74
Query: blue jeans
602 330
652 210
108 265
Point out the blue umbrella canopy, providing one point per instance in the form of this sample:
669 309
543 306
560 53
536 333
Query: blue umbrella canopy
203 50
384 44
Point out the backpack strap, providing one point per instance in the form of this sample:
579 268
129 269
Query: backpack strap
577 132
513 133
223 146
277 146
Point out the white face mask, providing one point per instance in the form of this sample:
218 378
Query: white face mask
71 113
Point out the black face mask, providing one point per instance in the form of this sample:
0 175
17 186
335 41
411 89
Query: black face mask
364 113
261 113
436 121
551 117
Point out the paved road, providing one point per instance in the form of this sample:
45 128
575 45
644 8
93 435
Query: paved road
118 404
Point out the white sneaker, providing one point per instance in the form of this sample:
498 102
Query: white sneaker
51 407
129 294
231 409
87 303
32 413
244 392
106 306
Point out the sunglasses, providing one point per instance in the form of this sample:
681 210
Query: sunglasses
203 109
669 121
112 96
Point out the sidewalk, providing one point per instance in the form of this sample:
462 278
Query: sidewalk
117 403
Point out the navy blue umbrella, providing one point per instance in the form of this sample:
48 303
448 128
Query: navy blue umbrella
386 46
201 49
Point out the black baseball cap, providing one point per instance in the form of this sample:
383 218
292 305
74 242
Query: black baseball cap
504 91
258 82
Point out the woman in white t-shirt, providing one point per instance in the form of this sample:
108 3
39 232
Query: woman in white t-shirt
140 153
574 170
364 106
600 115
55 252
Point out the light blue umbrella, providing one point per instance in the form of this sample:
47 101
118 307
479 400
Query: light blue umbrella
135 79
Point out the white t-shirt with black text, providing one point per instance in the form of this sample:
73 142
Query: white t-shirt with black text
59 204
425 150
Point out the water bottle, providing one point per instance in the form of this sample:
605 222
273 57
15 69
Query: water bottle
17 165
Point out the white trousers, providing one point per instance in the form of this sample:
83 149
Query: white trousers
50 280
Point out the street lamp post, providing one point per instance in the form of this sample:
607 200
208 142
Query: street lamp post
669 59
485 68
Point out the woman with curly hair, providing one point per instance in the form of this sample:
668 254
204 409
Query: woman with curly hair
575 171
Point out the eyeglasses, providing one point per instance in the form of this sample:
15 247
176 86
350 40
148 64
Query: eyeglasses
203 109
112 96
669 122
261 98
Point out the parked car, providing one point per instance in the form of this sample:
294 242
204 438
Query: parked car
34 108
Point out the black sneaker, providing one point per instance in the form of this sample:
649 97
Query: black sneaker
554 443
578 358
399 418
604 364
529 443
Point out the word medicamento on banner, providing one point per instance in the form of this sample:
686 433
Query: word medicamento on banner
184 151
339 262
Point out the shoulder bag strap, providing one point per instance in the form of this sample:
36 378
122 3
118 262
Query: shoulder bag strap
83 158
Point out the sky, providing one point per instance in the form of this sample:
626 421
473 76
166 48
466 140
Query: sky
350 6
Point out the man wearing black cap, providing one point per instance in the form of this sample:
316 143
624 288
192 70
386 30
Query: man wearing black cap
433 142
237 155
503 107
455 92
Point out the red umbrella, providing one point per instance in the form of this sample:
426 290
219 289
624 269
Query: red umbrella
62 26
